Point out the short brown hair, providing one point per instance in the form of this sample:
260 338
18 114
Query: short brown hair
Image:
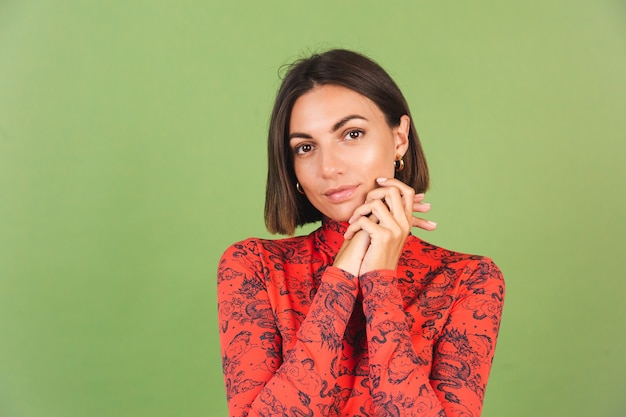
285 208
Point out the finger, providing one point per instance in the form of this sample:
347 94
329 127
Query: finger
421 207
418 204
383 202
357 225
388 230
407 192
393 220
363 210
372 211
352 230
393 182
400 205
392 195
362 224
423 223
400 212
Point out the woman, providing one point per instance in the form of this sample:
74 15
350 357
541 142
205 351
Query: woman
359 318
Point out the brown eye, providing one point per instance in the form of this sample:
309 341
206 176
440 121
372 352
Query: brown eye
354 134
302 149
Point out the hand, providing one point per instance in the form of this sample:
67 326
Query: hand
351 254
387 217
356 243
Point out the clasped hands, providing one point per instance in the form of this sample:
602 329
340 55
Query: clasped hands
380 226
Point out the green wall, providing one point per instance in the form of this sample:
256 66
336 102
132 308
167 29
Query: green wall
132 152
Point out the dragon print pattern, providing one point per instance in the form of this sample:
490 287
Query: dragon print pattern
300 337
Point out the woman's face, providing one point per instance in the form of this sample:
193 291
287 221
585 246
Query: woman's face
341 143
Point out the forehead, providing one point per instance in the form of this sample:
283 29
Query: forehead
324 105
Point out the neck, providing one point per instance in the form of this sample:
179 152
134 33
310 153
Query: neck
330 235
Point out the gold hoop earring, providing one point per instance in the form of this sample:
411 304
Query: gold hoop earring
398 164
299 188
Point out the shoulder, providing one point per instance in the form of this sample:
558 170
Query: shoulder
258 248
465 265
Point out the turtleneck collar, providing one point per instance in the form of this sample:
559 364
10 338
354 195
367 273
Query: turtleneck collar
330 235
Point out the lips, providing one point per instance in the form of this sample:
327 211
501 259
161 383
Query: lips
341 194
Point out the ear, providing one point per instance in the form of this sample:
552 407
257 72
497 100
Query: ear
401 135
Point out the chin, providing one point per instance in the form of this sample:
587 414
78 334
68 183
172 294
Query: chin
342 216
342 219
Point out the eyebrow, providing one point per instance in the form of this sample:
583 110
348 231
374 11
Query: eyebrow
335 127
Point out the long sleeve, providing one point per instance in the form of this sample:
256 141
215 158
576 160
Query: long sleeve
260 378
461 356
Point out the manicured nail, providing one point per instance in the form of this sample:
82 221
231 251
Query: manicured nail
381 179
432 223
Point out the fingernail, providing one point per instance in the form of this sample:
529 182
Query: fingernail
381 179
432 223
425 204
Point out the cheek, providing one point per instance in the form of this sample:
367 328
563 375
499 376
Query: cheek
305 172
378 163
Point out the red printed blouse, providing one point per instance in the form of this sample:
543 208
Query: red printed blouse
300 337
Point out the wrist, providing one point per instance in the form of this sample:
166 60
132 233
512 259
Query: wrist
381 283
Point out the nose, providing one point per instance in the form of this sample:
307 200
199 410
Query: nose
331 162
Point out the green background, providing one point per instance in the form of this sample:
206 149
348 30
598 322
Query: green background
132 153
